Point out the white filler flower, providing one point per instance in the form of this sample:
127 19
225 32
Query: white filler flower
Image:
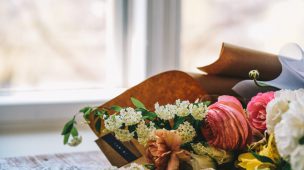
290 129
113 122
123 135
134 166
219 155
186 131
166 112
182 108
199 111
130 117
144 132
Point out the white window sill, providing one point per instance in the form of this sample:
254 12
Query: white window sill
48 108
31 122
15 98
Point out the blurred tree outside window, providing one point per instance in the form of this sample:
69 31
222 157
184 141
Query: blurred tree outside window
53 43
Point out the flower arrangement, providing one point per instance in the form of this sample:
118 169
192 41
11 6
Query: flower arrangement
266 134
280 116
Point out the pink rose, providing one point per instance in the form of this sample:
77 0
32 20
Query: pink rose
226 125
256 109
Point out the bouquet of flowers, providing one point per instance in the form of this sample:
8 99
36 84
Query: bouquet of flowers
267 134
226 133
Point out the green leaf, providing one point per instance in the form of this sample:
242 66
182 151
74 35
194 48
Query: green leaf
301 141
148 115
207 103
100 113
167 125
131 129
86 114
262 158
85 109
68 126
158 124
74 132
98 125
66 138
187 146
177 121
116 108
150 166
137 103
285 166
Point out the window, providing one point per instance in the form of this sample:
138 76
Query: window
56 44
263 25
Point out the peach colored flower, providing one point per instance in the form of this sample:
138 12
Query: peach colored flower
165 152
256 109
226 125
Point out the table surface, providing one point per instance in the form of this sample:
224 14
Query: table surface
67 161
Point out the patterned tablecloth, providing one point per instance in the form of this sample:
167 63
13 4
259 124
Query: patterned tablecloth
93 160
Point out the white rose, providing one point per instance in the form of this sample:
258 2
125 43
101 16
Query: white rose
279 105
275 109
297 158
291 128
290 95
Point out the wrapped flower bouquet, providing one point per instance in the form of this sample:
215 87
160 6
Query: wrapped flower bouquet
181 126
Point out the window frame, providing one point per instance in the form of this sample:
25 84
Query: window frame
141 28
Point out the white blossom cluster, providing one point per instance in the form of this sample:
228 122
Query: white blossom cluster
113 123
123 135
182 108
166 112
186 131
75 141
135 166
144 132
129 116
221 156
199 111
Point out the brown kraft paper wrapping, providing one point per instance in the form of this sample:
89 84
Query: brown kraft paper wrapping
163 88
235 61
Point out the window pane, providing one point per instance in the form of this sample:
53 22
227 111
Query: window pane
53 43
263 25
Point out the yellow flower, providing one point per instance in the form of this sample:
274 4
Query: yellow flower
249 162
270 150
